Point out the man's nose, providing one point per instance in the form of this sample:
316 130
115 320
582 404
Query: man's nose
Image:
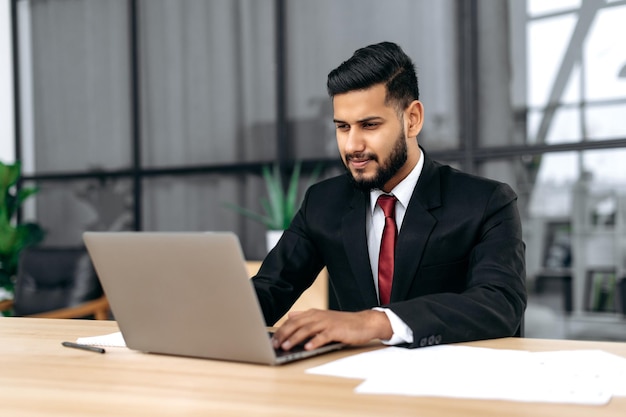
355 142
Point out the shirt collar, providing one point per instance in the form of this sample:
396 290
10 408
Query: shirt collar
404 189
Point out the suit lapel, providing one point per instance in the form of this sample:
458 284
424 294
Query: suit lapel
416 228
355 245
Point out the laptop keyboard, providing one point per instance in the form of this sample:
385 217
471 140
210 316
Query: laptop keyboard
280 352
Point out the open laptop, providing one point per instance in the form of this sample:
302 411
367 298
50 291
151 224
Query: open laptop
185 294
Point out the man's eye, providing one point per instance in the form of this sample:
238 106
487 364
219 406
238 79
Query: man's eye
342 127
370 125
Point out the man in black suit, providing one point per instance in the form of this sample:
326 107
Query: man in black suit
458 268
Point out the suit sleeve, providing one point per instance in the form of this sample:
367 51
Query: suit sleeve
494 299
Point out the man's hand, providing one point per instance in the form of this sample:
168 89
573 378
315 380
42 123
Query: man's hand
325 326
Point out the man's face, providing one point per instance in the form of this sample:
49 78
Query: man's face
371 138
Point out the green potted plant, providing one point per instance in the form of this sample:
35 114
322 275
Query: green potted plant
281 204
14 236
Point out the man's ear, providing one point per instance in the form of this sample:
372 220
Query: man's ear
414 116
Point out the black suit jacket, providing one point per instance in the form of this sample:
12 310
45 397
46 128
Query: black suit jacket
459 264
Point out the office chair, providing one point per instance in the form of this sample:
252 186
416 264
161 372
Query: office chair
58 283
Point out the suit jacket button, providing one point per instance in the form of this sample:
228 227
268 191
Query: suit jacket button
423 342
431 340
437 339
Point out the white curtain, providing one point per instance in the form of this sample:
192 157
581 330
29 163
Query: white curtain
207 73
75 99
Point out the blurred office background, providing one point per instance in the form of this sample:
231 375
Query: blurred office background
152 114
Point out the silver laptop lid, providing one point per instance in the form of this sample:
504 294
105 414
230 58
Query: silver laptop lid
181 294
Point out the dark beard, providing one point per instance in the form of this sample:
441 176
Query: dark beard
386 171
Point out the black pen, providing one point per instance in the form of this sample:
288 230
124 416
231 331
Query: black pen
84 347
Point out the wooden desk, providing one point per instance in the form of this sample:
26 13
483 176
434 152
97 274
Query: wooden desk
39 377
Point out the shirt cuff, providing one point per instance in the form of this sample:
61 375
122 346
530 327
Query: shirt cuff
401 332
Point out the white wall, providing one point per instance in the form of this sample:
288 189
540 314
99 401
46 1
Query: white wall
7 141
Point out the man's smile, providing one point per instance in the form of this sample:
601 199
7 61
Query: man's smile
359 161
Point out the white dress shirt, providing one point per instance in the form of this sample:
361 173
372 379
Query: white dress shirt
375 223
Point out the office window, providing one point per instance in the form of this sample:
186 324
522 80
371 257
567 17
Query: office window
7 143
576 88
207 82
199 203
67 208
74 85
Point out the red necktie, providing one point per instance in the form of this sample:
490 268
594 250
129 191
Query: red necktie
387 247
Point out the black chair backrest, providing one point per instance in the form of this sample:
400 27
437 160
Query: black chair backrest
53 278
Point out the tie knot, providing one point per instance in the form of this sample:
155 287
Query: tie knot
388 204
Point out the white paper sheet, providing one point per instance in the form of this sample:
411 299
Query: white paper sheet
592 364
109 340
575 377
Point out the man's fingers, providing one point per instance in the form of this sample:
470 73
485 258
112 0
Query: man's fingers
319 327
298 328
316 341
306 330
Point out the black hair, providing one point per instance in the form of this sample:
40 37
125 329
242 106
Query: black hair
383 62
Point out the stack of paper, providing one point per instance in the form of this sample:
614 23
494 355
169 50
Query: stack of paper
576 377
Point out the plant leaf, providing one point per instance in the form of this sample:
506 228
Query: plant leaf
9 174
14 236
265 220
275 193
292 195
280 205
